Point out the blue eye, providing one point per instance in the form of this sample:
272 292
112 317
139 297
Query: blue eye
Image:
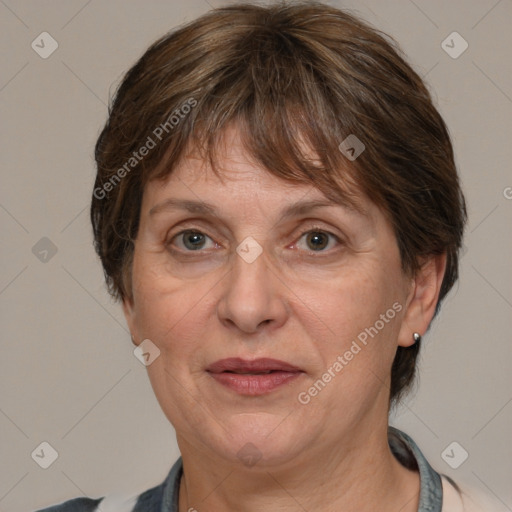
313 240
192 240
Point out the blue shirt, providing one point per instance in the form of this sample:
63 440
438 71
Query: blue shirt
164 497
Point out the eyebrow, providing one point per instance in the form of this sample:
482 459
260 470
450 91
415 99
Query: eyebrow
298 208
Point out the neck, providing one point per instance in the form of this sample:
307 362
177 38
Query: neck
360 475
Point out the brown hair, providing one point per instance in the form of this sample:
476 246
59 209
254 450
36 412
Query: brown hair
293 76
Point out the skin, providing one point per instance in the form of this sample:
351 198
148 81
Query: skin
296 302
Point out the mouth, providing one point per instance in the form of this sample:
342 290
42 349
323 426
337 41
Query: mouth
254 377
259 366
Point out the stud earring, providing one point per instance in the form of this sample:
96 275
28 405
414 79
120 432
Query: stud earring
417 337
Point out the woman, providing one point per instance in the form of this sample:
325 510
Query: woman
278 210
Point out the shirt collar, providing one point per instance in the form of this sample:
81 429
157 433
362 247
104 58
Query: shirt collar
431 489
406 450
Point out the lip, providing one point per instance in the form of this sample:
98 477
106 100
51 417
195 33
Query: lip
246 377
239 365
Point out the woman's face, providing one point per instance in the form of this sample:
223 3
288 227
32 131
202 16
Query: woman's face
262 273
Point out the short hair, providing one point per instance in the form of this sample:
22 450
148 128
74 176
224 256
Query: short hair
295 77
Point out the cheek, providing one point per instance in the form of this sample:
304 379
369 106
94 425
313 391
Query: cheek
350 301
357 318
173 315
168 310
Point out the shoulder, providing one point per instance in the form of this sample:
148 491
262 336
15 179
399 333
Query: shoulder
460 497
75 505
148 501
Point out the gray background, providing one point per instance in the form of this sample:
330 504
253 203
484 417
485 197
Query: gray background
68 375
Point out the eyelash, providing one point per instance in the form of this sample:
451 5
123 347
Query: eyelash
313 229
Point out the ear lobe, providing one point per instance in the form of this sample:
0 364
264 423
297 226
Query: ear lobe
422 299
129 314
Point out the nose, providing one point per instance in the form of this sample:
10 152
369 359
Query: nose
253 298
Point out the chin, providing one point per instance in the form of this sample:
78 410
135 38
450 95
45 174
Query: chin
260 440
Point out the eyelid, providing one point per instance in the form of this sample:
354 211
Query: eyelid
319 229
313 227
190 230
316 226
194 224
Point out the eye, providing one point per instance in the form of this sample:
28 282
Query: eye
317 240
191 240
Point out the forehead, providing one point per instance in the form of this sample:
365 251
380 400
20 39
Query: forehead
234 169
240 185
260 198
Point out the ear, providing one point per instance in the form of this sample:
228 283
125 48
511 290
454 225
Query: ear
422 299
129 314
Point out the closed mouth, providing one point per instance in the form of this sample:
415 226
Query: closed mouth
260 366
